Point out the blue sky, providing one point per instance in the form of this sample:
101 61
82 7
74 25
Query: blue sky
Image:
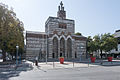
91 16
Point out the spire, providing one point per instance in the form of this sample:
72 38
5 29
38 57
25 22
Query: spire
61 4
61 13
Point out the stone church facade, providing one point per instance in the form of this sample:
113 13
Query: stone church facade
58 40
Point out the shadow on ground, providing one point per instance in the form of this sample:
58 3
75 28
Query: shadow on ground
10 70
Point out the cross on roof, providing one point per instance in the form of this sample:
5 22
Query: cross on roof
61 3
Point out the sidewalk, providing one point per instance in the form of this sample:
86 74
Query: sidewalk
12 66
82 64
10 70
55 65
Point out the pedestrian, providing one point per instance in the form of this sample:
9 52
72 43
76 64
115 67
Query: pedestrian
36 61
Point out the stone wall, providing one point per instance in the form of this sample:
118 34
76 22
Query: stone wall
35 45
80 48
52 25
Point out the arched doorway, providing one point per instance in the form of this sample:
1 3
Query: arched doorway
55 48
69 48
62 47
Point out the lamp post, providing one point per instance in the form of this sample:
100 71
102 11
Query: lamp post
46 48
17 47
81 47
40 52
20 60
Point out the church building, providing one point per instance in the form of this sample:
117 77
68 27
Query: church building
58 40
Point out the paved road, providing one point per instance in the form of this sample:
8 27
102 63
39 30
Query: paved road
90 73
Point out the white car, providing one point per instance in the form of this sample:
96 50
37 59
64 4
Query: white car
0 56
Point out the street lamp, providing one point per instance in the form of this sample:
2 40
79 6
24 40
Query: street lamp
46 47
40 52
17 47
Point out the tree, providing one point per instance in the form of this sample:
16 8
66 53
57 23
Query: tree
97 41
104 42
78 34
109 43
11 31
90 45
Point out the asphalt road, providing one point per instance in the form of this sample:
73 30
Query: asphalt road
84 73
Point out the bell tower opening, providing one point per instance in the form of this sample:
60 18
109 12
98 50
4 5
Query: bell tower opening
61 12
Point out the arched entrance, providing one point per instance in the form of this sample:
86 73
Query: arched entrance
62 47
69 48
55 48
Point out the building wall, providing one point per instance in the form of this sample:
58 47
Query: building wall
53 27
80 48
52 24
117 35
59 38
119 47
39 43
35 45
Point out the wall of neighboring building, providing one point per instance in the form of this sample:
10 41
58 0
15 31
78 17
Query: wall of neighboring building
80 48
35 45
117 35
119 47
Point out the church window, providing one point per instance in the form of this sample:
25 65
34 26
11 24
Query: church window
62 25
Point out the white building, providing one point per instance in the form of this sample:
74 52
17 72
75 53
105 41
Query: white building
117 35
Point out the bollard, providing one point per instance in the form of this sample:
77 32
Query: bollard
73 64
88 62
101 62
111 62
53 64
36 63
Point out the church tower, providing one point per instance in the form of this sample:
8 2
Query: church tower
61 13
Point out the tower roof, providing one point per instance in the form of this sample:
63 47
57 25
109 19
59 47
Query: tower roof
61 13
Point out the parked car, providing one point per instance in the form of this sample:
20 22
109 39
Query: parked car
0 54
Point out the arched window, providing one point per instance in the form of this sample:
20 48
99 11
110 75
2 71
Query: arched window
55 47
69 48
62 47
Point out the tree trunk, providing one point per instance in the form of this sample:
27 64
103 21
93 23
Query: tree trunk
12 56
98 53
101 54
4 55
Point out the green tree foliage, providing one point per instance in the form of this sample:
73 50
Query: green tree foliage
78 34
109 42
104 42
90 44
97 42
11 31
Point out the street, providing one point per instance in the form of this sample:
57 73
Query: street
77 73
